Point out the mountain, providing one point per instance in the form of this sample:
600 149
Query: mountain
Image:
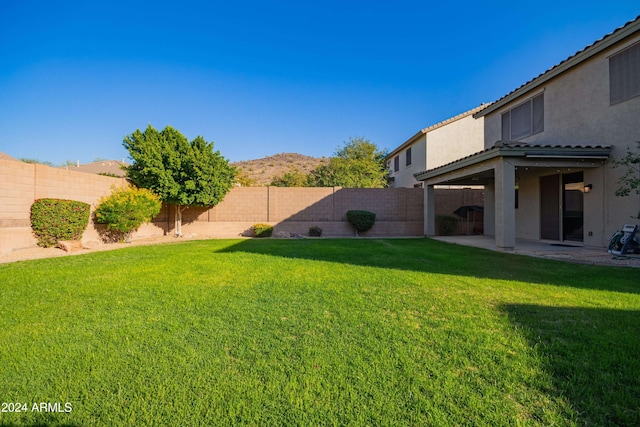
261 172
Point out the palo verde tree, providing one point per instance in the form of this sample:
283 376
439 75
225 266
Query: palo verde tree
358 164
630 179
180 172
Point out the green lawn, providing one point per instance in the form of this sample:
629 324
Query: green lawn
318 332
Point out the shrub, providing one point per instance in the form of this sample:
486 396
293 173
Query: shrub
126 209
57 219
262 230
361 220
446 224
315 231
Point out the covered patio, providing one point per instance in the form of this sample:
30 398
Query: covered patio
510 173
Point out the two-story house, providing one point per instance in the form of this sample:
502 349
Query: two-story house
435 146
548 145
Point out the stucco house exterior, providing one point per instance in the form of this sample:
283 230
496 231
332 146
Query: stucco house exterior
435 146
548 145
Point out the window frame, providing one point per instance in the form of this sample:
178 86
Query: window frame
633 51
408 157
396 163
535 104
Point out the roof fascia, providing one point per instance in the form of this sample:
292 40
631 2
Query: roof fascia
564 66
598 153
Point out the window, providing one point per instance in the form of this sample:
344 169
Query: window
624 74
408 154
524 120
396 163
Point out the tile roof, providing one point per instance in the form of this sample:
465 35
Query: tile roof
112 167
436 126
583 54
517 147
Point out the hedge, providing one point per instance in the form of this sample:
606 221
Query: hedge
361 220
56 219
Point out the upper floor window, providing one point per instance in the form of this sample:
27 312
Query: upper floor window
524 120
408 155
624 74
396 163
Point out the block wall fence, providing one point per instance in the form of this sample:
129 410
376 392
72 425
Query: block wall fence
399 211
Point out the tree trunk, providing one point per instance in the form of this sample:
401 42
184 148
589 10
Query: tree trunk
179 210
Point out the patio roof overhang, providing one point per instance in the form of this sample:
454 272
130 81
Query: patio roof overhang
477 167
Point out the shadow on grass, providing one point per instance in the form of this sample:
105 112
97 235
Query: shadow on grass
431 256
592 356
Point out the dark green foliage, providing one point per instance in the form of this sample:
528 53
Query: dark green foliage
126 209
56 219
446 224
262 230
630 180
361 220
359 164
182 173
315 231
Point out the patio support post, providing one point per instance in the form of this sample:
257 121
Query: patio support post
429 211
505 200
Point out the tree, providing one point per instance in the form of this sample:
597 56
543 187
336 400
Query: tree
180 172
292 178
358 164
630 179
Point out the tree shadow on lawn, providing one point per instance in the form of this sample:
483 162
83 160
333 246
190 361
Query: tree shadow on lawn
591 355
431 256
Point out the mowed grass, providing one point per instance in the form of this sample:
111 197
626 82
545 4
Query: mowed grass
318 332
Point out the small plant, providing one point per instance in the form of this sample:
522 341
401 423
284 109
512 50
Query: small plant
315 231
262 230
446 224
361 220
126 209
56 219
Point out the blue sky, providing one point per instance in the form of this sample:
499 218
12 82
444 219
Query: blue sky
261 78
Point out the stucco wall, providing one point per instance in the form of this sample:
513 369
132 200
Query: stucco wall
404 177
577 111
454 141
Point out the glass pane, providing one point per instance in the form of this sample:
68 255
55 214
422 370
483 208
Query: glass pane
521 121
538 114
506 126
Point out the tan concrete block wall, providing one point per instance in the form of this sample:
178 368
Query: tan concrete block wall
17 193
243 204
399 211
23 183
300 204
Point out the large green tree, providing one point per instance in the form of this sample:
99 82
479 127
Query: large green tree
358 164
180 172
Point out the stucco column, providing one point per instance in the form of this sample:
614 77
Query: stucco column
505 200
429 211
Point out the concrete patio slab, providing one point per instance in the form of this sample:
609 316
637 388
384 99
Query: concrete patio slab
552 250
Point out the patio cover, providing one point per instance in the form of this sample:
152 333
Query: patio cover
499 163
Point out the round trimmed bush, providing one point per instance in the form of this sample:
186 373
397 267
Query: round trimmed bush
361 220
262 230
57 219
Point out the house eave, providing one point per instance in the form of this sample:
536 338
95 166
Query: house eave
599 46
523 151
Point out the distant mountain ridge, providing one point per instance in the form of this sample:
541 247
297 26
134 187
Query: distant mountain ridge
261 172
